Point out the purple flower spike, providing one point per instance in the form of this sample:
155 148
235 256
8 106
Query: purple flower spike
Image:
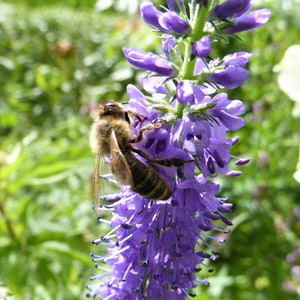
250 21
230 77
156 246
202 48
231 8
148 61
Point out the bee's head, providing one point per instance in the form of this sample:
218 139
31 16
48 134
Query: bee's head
112 109
115 110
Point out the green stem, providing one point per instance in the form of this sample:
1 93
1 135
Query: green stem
199 22
179 110
187 66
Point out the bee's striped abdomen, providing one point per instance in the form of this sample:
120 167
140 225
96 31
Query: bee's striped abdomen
146 181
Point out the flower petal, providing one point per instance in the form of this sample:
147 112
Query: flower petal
250 21
148 61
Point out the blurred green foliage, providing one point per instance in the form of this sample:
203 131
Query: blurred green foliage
56 62
66 3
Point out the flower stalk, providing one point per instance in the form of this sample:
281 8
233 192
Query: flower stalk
198 21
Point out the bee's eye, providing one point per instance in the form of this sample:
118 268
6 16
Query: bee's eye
127 119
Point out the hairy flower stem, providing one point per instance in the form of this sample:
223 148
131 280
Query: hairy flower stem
188 66
198 23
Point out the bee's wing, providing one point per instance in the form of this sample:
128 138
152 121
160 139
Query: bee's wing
95 186
119 165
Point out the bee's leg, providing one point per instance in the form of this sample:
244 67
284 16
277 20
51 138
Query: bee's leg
130 114
166 162
173 162
140 117
148 127
142 154
170 162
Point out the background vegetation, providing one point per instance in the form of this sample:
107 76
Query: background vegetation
56 61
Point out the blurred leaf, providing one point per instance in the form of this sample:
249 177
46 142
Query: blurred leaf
48 78
7 64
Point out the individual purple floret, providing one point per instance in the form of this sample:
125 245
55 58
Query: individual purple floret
249 21
231 8
148 61
168 22
202 47
230 77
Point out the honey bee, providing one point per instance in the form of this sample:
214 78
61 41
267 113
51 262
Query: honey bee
111 135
